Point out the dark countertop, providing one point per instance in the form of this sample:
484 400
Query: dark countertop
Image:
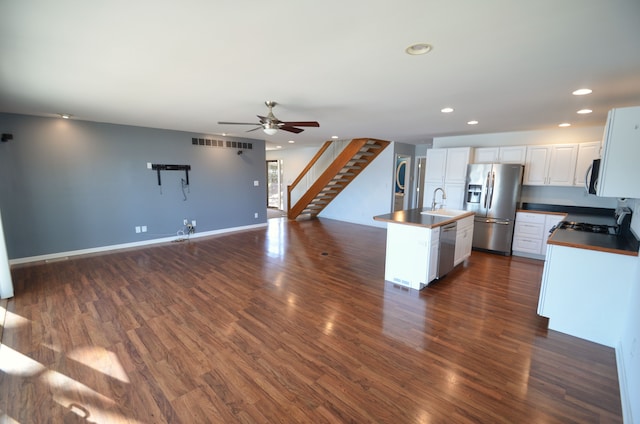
624 244
594 241
415 217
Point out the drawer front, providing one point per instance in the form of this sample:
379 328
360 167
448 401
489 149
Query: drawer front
530 230
534 218
529 245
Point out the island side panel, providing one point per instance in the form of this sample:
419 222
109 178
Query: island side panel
409 249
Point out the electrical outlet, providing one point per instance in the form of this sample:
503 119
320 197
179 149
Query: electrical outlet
193 222
256 183
144 228
185 221
255 215
137 229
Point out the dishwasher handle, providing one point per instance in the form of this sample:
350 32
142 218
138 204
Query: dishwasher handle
449 227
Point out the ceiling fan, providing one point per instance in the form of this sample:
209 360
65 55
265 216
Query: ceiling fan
270 124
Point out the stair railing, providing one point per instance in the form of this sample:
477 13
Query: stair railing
329 151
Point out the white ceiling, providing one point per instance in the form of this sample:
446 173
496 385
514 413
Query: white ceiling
511 65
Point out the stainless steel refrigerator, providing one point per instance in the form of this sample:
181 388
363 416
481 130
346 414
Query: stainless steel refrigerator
493 193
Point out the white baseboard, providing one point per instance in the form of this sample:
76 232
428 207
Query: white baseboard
65 255
627 416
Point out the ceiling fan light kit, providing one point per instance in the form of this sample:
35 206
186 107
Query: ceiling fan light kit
270 124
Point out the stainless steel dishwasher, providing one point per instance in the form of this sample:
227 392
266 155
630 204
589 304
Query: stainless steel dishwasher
447 248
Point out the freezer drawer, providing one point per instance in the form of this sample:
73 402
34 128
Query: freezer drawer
493 234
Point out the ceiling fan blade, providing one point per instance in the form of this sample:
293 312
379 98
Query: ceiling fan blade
301 124
256 128
291 129
238 123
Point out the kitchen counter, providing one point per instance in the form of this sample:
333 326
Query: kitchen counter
417 218
625 244
595 241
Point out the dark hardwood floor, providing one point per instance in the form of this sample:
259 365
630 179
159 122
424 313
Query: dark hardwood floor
291 323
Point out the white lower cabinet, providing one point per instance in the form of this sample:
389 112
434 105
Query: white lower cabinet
464 239
531 232
584 292
412 255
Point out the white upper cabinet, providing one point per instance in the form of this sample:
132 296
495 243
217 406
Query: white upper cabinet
587 152
550 165
436 165
457 161
513 154
620 167
486 155
505 154
448 165
447 169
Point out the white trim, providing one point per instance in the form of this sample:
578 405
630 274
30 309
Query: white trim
65 255
627 415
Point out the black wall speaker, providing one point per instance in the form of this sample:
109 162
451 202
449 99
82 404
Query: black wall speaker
6 137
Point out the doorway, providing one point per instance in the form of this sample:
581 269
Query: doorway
402 183
275 194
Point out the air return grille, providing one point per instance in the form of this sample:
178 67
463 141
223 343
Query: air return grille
208 142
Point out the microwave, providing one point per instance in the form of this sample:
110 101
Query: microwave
591 179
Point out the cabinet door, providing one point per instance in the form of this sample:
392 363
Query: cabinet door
619 169
486 155
436 165
455 195
587 152
456 167
513 154
429 187
536 163
464 235
562 164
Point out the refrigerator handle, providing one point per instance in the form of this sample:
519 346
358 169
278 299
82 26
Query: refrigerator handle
486 189
493 182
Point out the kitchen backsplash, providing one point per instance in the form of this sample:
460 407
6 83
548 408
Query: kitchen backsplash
571 196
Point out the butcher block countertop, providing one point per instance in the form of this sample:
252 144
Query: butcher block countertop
417 218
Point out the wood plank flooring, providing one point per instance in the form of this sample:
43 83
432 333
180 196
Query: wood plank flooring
290 323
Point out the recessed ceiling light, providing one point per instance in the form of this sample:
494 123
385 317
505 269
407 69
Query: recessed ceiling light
564 124
446 110
418 49
291 141
584 111
334 137
582 91
472 122
278 147
65 116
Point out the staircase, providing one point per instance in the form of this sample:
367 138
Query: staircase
355 157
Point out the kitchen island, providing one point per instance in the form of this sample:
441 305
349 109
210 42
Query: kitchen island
413 243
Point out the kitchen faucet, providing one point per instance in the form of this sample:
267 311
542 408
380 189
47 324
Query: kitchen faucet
433 202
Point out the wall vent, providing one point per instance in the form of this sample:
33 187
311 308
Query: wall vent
208 142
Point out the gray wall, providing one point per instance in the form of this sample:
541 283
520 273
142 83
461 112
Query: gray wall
69 185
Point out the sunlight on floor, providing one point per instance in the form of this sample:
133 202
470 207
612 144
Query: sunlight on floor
74 396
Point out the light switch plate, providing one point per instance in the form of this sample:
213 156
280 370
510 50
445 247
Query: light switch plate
256 183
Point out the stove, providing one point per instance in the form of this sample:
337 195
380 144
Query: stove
590 228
